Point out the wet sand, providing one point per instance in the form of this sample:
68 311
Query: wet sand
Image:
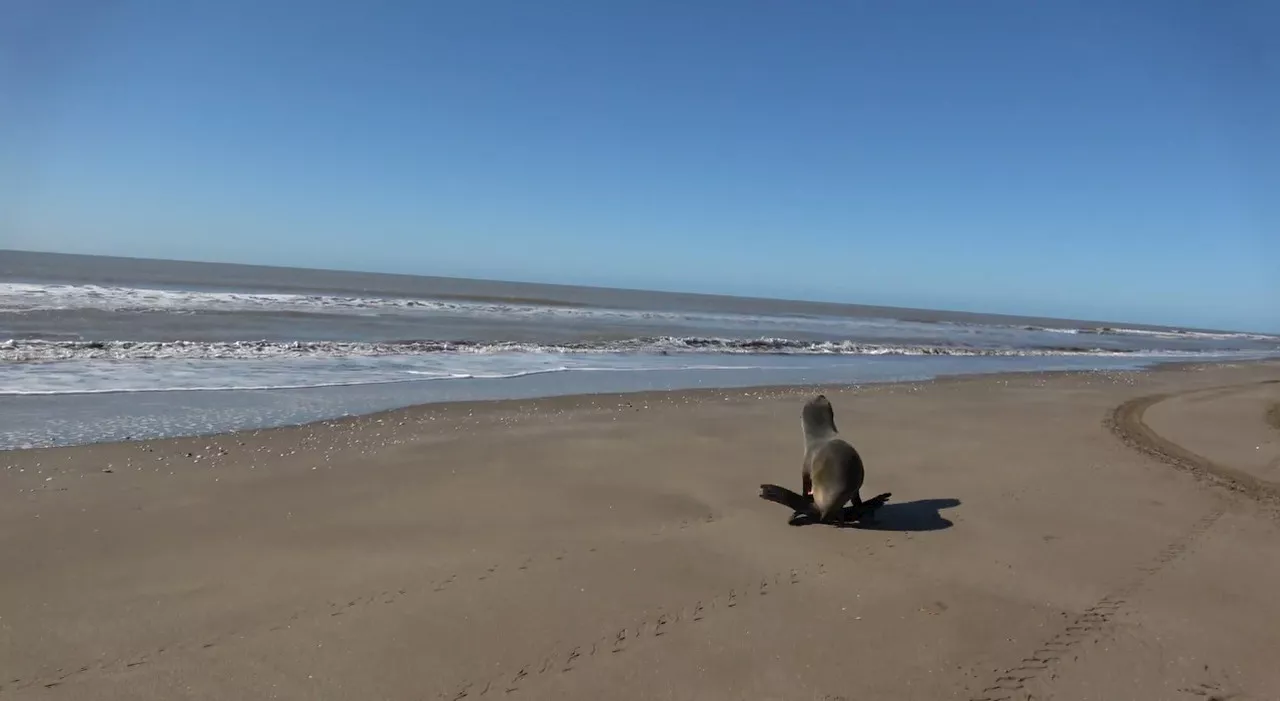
1070 536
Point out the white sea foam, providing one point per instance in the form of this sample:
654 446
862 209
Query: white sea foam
45 366
1168 334
295 369
18 297
1177 334
43 351
26 297
99 375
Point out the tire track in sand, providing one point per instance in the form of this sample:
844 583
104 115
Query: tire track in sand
1126 423
1010 684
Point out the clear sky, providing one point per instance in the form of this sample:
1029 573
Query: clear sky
1112 160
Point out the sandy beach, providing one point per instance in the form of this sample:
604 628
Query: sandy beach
1093 536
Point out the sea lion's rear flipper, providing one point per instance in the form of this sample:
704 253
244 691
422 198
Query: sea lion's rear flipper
786 497
867 508
800 518
806 512
802 508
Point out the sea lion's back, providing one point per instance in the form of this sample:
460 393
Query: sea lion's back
837 464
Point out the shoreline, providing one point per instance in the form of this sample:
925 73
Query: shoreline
554 546
579 398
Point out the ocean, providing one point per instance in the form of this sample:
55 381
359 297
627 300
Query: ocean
99 348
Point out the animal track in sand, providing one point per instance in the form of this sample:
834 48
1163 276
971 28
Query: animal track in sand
1210 692
645 629
334 609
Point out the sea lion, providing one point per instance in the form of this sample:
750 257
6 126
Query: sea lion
831 475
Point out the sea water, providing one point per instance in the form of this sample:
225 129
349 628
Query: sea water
95 349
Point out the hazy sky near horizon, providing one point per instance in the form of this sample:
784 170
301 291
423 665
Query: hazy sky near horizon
1103 160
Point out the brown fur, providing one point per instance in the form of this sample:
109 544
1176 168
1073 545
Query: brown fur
831 475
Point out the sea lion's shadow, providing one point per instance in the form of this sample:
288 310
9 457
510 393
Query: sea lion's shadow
918 515
906 516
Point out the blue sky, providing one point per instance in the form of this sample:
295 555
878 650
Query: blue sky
1082 159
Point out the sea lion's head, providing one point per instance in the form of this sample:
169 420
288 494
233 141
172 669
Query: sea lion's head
818 416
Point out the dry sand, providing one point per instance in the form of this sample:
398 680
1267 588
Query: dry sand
1049 537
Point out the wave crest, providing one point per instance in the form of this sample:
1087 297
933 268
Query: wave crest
45 351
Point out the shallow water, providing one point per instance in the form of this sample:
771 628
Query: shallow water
73 419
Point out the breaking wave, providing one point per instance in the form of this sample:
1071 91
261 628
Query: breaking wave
424 369
19 298
45 351
1174 334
